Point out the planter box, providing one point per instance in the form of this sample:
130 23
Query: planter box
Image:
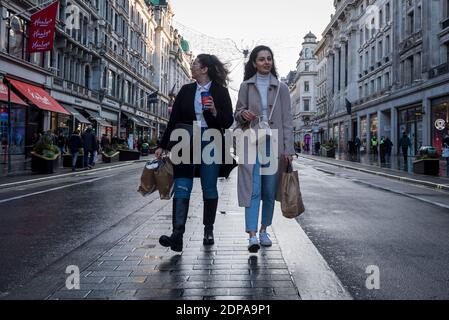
429 167
328 153
67 161
110 159
129 155
40 164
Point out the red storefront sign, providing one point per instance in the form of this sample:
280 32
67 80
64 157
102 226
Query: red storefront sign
42 29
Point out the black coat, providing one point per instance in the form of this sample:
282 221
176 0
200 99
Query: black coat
75 143
89 141
183 112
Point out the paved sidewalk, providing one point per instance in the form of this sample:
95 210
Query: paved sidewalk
441 183
137 267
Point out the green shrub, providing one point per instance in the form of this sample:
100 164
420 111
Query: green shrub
45 146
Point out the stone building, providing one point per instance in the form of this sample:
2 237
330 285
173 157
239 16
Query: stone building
388 60
303 92
108 58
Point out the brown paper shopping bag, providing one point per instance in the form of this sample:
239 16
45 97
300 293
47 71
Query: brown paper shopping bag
165 178
147 181
292 205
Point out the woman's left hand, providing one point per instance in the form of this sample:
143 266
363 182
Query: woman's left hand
210 105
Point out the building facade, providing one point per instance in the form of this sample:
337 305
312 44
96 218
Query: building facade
321 115
108 57
303 93
389 60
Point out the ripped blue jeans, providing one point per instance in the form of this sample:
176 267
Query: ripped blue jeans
209 176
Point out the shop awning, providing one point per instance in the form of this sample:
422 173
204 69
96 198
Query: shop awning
14 97
94 115
145 121
136 120
38 96
78 116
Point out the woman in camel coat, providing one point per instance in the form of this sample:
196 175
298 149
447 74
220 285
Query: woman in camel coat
256 98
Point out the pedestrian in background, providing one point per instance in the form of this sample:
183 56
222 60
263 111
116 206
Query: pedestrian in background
256 101
115 141
96 151
446 155
382 150
61 142
75 144
214 112
317 148
89 145
405 144
388 145
105 143
358 145
374 145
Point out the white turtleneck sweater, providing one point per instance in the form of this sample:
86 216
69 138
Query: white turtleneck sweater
263 83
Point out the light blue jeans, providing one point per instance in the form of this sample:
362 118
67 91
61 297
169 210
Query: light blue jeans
209 176
264 189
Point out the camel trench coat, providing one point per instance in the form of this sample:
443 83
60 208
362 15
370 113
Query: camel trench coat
282 120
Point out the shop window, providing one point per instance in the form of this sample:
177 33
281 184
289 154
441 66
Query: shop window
18 116
410 121
16 45
440 122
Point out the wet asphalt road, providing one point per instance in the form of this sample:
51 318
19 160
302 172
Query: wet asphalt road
37 230
353 224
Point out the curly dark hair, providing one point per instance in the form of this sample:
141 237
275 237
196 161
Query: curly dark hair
217 71
250 71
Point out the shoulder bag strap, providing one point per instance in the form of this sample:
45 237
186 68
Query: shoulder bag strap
275 101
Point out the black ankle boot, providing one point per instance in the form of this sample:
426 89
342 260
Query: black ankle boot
209 214
179 218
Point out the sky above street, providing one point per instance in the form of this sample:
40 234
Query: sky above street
280 24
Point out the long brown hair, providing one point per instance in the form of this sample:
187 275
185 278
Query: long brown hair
250 71
216 70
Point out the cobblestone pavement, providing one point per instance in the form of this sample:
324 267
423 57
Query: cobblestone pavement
137 267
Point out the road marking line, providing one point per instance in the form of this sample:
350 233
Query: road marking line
53 189
6 185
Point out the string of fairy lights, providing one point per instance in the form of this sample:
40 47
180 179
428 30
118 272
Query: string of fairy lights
235 54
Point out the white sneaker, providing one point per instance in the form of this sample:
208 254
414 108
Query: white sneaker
253 246
265 239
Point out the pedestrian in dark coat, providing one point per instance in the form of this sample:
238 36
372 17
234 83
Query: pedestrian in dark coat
446 146
405 144
388 145
317 148
61 142
75 144
382 150
105 143
90 146
214 112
